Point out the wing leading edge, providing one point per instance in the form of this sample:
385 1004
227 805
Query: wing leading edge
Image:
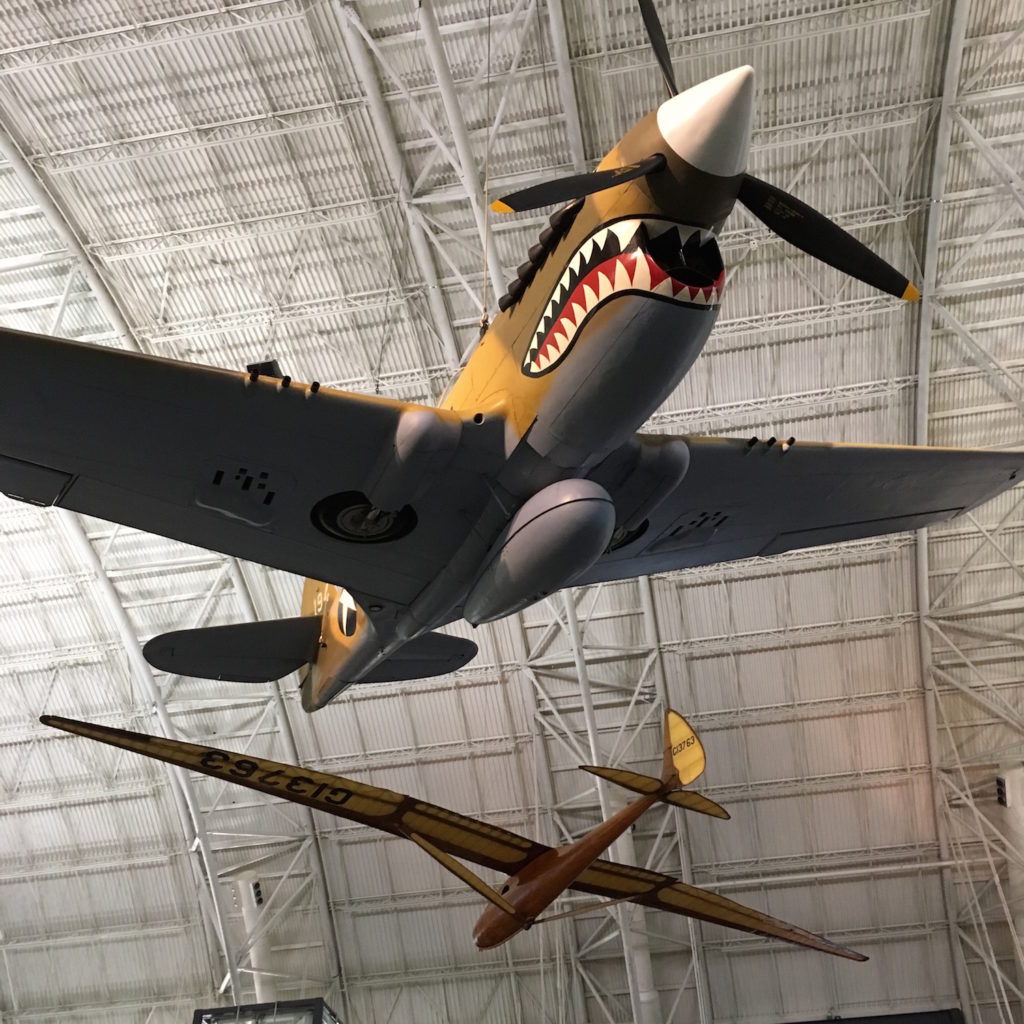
448 831
652 889
743 498
238 463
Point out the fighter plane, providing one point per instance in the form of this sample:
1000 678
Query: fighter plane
537 874
530 475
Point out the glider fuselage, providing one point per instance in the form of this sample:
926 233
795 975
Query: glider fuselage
533 889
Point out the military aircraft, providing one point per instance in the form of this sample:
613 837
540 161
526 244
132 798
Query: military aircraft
527 477
537 874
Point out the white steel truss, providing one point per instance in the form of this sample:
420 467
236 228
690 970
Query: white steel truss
735 647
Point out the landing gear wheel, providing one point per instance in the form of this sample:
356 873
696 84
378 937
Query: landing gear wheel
350 516
621 537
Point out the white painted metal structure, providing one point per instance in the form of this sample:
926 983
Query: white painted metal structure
233 181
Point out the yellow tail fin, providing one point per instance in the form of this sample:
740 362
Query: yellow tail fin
684 755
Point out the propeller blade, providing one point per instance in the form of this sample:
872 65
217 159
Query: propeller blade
657 37
564 190
816 235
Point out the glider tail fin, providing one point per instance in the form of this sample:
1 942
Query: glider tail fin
683 759
682 762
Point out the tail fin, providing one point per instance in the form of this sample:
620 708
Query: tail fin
684 756
683 761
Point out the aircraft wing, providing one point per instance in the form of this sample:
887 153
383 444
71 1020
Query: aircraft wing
739 499
436 828
215 459
384 809
652 889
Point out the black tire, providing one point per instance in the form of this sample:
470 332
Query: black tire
620 538
345 515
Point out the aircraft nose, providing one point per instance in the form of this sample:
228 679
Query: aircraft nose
709 125
482 932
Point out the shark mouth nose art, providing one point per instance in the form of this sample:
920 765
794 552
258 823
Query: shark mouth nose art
659 258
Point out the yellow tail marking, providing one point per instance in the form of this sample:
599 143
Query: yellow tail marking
683 747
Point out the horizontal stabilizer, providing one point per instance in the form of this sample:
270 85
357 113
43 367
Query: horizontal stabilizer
647 784
644 784
246 652
433 654
696 802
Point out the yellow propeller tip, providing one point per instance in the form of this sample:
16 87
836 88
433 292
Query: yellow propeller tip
501 207
910 293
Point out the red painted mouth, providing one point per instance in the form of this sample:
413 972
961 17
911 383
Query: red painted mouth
616 260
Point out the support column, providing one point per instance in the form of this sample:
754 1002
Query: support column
249 892
1011 824
143 674
567 975
929 266
700 967
643 994
291 754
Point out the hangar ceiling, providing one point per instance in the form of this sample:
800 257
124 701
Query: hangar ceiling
228 182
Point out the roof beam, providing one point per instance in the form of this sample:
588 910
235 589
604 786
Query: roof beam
957 31
399 172
188 807
465 167
566 86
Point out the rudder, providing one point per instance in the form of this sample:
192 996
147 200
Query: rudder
683 759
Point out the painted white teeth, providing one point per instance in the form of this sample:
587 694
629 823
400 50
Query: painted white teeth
622 281
624 231
641 273
568 307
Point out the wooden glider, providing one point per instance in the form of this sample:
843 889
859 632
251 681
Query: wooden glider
538 874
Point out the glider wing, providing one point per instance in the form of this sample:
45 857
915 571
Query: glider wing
618 881
396 813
